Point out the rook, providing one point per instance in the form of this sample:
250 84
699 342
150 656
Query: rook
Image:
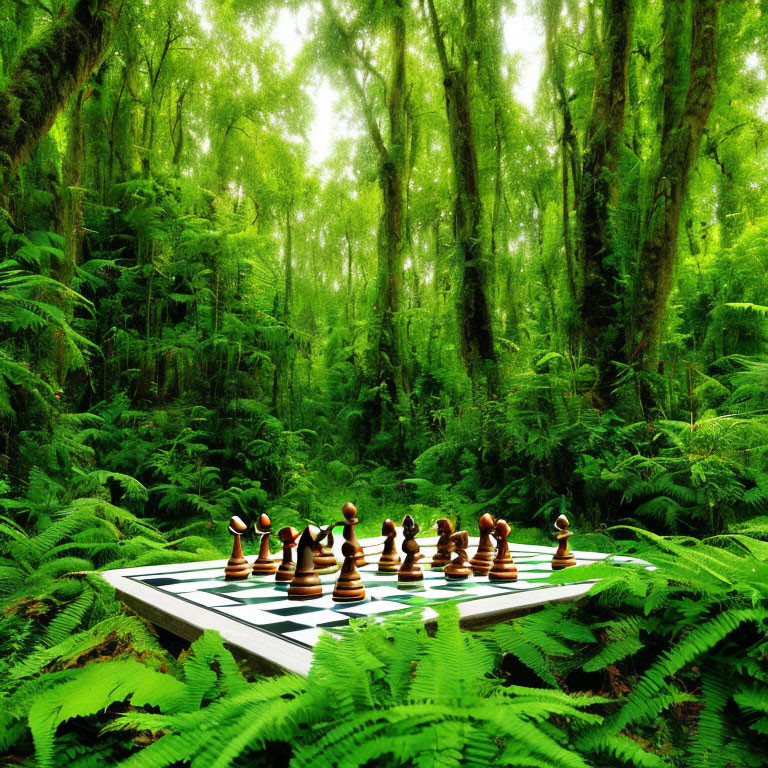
389 560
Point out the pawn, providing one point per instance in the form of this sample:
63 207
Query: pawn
305 583
264 563
237 566
442 556
349 586
410 570
563 558
287 568
459 567
483 559
503 568
323 553
389 560
349 511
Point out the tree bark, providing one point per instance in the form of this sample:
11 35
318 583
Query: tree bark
600 306
47 73
689 95
475 325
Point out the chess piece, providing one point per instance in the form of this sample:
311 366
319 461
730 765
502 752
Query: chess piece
410 570
389 560
287 536
503 568
459 568
305 583
237 566
264 563
483 559
323 553
442 556
349 510
563 558
349 586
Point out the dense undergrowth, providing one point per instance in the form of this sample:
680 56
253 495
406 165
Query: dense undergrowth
465 307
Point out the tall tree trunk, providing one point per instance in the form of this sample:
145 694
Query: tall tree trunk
47 73
476 331
349 308
689 93
598 194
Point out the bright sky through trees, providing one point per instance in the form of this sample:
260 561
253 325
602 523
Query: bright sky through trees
523 39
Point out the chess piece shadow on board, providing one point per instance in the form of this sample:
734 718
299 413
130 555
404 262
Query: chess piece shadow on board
349 586
503 568
483 559
459 567
563 557
287 536
305 583
442 555
389 561
237 566
264 563
410 570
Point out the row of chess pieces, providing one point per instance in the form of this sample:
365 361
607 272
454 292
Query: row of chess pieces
315 554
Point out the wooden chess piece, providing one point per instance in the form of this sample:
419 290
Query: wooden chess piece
442 556
483 559
323 553
287 568
349 586
237 566
563 558
503 568
264 564
305 583
410 570
349 510
459 567
389 561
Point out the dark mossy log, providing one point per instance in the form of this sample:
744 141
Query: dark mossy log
48 72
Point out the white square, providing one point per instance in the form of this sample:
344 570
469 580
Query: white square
209 600
376 606
307 636
379 593
207 573
191 586
252 614
315 617
261 592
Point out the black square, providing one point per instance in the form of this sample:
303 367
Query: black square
282 627
159 582
294 610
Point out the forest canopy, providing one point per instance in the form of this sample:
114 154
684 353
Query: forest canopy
269 257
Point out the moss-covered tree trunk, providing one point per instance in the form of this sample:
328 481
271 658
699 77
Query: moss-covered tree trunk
475 325
47 73
690 76
600 304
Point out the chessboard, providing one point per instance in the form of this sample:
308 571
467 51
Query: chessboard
257 619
